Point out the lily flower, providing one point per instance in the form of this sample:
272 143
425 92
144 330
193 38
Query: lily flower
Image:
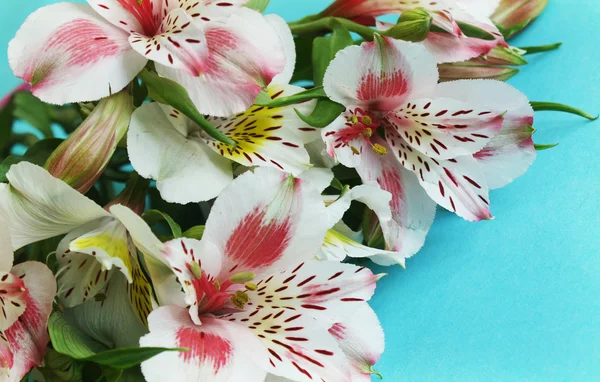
258 304
97 248
449 43
399 116
190 166
221 52
27 291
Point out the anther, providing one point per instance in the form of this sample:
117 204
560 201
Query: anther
379 149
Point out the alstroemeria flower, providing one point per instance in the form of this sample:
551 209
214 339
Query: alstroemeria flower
221 52
451 46
258 303
27 291
397 110
97 247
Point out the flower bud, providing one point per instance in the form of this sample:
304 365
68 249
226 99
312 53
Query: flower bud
413 25
82 157
514 13
494 65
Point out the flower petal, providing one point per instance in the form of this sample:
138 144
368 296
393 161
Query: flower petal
13 299
484 8
380 76
218 350
161 147
412 210
289 48
24 343
510 154
445 128
180 44
70 54
270 137
264 221
131 15
39 206
246 53
456 184
337 246
7 255
345 151
111 318
205 11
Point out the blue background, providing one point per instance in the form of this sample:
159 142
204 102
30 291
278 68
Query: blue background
516 298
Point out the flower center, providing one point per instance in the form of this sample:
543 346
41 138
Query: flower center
143 13
360 125
214 296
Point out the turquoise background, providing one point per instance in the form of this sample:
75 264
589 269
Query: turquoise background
516 298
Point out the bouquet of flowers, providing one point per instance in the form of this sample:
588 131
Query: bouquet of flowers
211 178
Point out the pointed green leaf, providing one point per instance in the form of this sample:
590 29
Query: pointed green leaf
124 358
325 49
258 5
541 48
324 114
70 341
552 106
194 232
154 216
306 95
473 31
541 147
6 124
171 93
60 368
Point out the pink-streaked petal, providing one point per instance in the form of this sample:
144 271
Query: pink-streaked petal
456 184
14 299
289 48
70 54
510 154
361 338
382 77
344 142
130 15
264 221
245 54
219 351
163 147
180 44
412 210
23 345
267 137
444 128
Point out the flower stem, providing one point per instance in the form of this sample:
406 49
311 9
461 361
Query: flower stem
311 25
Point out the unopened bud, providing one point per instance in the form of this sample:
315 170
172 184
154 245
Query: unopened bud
517 14
413 25
502 56
469 70
83 156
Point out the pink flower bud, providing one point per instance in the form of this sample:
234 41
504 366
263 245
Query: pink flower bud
513 13
496 65
82 157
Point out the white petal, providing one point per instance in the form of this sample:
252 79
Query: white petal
39 206
185 168
131 16
289 47
6 249
319 178
70 54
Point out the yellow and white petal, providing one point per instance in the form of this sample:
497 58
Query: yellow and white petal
39 206
338 246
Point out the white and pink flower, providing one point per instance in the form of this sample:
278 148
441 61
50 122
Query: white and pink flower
221 52
26 294
401 128
258 304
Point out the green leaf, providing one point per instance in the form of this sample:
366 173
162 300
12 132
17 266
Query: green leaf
33 111
304 70
472 31
133 374
545 147
194 232
124 358
258 5
60 368
112 374
325 49
541 48
335 183
552 106
171 93
306 95
6 124
154 216
69 341
324 114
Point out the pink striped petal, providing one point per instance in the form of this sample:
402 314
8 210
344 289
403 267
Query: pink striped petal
456 184
179 43
219 351
412 210
381 78
70 54
266 221
14 299
130 15
23 344
245 54
444 128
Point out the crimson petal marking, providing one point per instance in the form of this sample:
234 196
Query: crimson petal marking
179 43
129 15
205 10
456 184
445 128
13 299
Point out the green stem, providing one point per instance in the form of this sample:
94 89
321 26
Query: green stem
327 23
541 48
552 106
